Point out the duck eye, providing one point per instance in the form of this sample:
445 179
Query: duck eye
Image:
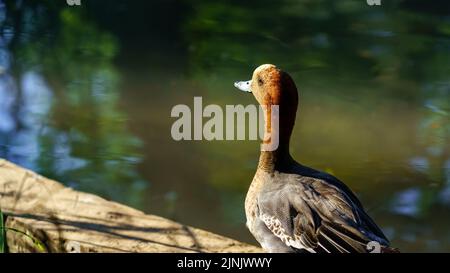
260 82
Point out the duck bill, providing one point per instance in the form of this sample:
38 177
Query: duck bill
244 86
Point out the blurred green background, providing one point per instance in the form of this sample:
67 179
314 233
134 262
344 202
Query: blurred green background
86 94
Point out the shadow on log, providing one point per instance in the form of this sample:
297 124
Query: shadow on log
44 216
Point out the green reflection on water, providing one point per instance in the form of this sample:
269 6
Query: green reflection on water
83 139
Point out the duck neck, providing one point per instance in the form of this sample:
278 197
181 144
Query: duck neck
271 161
278 159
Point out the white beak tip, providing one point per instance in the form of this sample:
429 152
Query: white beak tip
243 86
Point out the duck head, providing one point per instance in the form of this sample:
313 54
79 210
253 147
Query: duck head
271 86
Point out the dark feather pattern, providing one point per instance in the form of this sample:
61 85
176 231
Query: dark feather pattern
312 214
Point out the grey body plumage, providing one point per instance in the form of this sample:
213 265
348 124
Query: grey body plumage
301 209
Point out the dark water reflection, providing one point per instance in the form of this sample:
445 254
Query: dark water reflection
85 98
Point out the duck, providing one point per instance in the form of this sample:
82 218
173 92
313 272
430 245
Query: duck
290 207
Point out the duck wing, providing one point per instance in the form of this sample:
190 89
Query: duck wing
305 171
310 214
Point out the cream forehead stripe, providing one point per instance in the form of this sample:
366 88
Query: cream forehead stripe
263 67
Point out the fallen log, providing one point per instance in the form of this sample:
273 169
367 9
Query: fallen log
43 215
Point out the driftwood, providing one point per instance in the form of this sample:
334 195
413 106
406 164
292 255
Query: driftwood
59 219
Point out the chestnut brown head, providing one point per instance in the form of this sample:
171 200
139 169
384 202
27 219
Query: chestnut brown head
272 86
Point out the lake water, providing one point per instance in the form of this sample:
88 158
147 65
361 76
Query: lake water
86 94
